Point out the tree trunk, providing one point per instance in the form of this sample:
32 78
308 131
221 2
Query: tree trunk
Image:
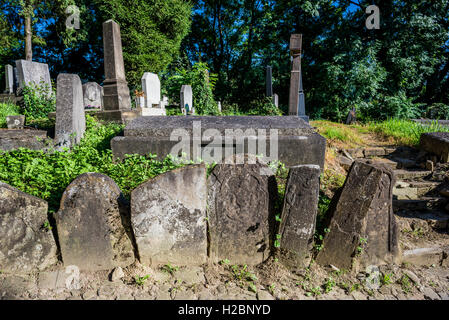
28 33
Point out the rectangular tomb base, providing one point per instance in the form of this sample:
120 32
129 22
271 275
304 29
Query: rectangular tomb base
116 116
208 137
436 143
12 139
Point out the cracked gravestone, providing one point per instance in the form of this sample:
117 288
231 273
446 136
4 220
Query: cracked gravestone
168 215
298 218
93 224
363 228
241 198
25 244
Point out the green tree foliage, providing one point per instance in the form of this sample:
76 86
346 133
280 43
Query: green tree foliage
152 31
202 84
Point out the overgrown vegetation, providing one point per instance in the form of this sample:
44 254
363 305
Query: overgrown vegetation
47 174
7 109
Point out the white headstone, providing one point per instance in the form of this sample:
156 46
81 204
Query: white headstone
9 78
152 88
219 106
187 100
29 72
92 95
276 100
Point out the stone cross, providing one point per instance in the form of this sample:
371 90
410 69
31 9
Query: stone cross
9 78
295 79
70 117
269 82
116 91
151 86
187 100
92 95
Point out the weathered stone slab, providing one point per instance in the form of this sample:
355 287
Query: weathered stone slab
70 117
36 73
168 216
116 91
25 245
29 139
93 224
241 200
92 95
296 142
187 100
363 228
436 143
15 122
298 218
9 79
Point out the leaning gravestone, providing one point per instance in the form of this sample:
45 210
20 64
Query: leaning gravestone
25 244
33 73
168 216
92 95
298 218
70 117
187 99
92 224
9 79
363 228
241 200
436 143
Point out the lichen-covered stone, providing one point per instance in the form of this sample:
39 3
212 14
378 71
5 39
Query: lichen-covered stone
25 245
241 200
363 228
93 224
168 215
299 215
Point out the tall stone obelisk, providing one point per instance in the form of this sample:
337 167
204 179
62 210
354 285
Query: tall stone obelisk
296 106
116 91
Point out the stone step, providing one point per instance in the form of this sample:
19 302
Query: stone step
422 203
437 220
413 190
402 174
437 256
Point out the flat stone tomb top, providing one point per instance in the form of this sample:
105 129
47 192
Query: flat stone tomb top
443 136
163 126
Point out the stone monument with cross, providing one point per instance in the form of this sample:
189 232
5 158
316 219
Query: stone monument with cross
296 105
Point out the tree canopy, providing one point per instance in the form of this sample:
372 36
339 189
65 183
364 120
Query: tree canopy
399 70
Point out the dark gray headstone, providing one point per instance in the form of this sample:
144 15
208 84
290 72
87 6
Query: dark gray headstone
352 117
70 117
269 82
116 91
298 218
26 245
241 200
93 224
295 78
33 73
168 216
9 79
363 228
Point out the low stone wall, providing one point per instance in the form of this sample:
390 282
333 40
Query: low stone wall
183 218
436 143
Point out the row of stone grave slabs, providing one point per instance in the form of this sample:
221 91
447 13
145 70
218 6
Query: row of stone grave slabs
288 139
185 218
